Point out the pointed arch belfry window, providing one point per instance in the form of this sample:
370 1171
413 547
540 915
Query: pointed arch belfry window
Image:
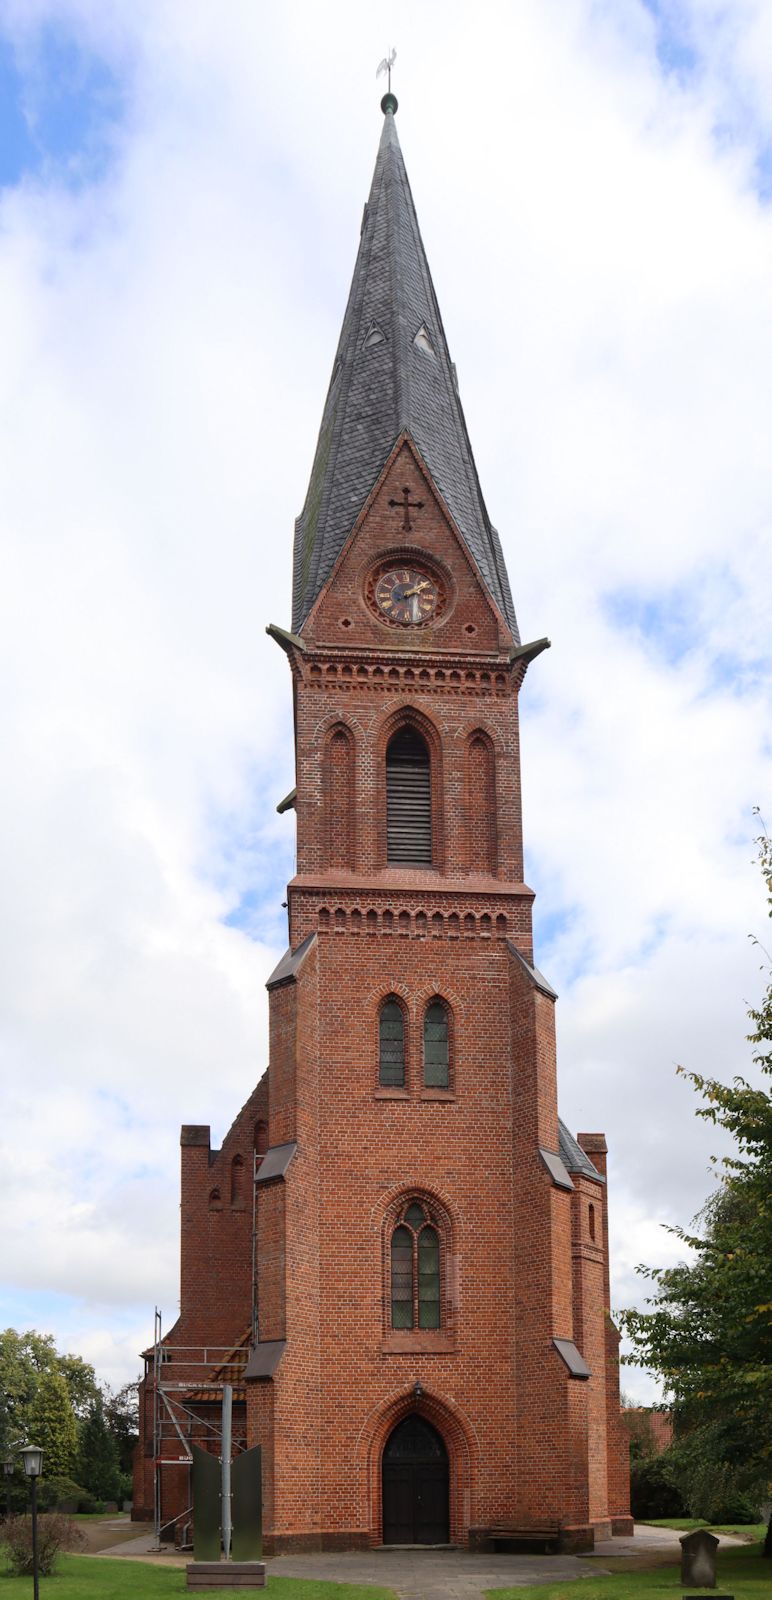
408 799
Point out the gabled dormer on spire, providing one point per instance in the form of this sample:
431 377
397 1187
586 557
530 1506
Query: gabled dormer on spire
392 374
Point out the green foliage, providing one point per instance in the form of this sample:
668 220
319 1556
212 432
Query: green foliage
98 1456
28 1363
714 1482
25 1358
653 1488
52 1425
125 1487
636 1422
708 1329
57 1493
122 1417
81 1382
55 1533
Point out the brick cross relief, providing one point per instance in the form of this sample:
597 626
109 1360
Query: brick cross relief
406 505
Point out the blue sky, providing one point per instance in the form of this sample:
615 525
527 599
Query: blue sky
676 48
596 219
60 106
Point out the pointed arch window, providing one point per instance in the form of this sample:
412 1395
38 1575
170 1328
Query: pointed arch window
391 1045
340 797
481 803
436 1047
415 1270
408 799
237 1181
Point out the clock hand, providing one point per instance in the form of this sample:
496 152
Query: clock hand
416 589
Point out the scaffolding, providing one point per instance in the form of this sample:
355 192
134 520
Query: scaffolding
186 1380
200 1375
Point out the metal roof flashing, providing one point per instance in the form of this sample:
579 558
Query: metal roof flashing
574 1360
536 977
275 1162
290 964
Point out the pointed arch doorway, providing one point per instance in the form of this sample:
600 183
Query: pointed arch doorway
416 1508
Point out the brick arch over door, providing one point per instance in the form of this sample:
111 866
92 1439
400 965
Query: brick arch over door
339 791
480 803
410 717
460 1442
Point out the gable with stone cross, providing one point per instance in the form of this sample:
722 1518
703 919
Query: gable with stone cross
470 616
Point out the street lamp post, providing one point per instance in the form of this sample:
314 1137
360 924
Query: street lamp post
32 1457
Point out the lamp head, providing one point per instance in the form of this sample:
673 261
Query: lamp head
32 1456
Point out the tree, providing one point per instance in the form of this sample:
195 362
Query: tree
122 1418
82 1386
708 1333
99 1469
24 1359
52 1425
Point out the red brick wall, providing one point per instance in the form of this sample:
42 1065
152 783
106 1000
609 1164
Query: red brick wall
617 1441
527 1443
215 1277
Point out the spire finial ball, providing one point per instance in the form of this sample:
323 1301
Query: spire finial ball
389 103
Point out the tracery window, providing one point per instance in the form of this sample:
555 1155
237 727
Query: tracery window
415 1270
391 1045
436 1047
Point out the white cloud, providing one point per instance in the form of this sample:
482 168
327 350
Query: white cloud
603 263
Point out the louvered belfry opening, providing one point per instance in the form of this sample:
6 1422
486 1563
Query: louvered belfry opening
408 799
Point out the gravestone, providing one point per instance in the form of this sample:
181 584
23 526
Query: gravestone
698 1558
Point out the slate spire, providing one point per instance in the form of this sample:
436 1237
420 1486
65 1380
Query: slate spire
392 373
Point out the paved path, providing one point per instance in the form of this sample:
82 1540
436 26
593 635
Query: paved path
432 1574
647 1538
437 1574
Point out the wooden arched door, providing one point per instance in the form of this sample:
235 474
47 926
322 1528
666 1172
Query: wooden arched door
415 1485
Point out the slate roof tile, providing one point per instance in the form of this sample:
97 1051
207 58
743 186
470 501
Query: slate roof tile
383 387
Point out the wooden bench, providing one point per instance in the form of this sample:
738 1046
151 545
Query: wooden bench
506 1533
225 1574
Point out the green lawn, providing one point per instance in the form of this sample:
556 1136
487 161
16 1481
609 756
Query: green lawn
742 1572
88 1578
752 1531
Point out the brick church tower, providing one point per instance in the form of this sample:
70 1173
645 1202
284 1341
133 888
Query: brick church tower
431 1358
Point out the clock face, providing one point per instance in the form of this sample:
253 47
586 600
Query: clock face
406 594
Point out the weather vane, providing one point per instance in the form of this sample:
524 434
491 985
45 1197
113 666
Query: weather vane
386 66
